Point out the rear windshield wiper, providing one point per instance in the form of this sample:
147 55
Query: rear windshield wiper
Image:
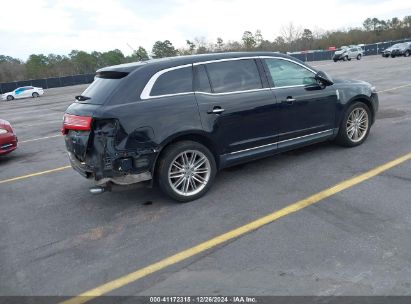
82 98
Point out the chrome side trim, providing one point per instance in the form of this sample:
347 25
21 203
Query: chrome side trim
290 60
281 141
250 149
299 137
286 87
145 94
233 92
225 59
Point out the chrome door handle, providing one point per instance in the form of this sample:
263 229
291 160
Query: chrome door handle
288 100
216 110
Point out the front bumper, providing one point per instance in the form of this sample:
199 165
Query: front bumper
397 53
338 56
376 104
8 143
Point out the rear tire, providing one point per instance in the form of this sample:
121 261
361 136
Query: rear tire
348 58
186 170
35 95
355 126
407 53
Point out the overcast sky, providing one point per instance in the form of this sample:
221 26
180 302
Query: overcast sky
41 26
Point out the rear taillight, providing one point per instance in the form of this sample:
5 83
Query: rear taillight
74 122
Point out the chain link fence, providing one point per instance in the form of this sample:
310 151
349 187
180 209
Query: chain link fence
369 49
47 83
55 82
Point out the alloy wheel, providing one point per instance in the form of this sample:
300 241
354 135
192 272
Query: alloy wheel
189 172
357 124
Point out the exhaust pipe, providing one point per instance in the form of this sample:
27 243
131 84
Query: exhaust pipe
97 190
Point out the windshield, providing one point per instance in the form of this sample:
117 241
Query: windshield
99 90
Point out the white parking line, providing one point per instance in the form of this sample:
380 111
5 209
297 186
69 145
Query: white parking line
392 89
316 66
40 138
38 124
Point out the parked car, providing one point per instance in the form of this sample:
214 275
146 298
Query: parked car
177 121
399 49
8 140
347 53
23 92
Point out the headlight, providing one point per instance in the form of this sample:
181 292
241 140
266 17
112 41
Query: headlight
373 89
3 131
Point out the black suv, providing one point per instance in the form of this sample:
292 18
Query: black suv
177 121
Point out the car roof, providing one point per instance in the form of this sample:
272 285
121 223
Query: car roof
188 59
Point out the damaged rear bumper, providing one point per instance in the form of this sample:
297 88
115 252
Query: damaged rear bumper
107 154
123 179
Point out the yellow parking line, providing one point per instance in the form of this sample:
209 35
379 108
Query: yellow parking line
185 254
33 174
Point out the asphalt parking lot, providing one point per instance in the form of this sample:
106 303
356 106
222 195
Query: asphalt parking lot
58 239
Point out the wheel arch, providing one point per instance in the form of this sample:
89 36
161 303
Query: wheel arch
359 98
197 136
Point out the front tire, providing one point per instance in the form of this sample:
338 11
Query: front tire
407 54
345 58
9 98
355 126
186 170
359 57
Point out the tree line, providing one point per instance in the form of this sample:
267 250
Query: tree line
291 38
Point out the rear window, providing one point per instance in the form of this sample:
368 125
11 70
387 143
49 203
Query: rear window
99 90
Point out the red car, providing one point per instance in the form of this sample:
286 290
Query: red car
8 140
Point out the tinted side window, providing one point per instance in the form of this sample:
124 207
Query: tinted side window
202 83
285 73
235 75
173 82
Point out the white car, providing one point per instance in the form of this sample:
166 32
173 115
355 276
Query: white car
23 92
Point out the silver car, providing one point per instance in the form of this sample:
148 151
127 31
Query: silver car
347 53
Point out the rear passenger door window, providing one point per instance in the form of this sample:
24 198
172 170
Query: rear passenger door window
202 83
173 82
285 73
234 75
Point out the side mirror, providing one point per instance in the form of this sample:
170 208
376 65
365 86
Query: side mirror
324 78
